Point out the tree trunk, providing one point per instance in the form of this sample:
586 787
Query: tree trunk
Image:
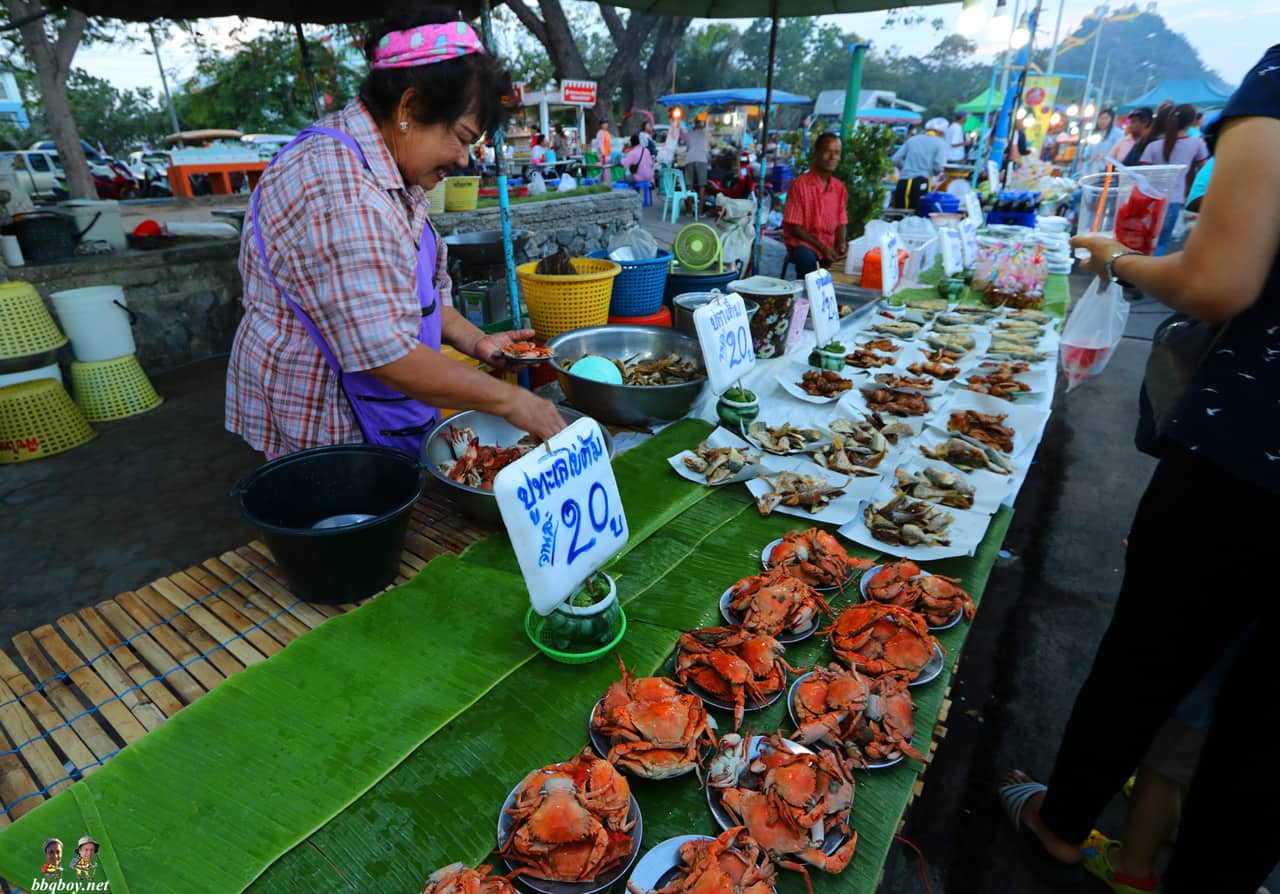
53 64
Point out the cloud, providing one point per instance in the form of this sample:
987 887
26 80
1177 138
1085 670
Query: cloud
1201 14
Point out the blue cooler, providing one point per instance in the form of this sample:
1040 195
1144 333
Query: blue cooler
940 203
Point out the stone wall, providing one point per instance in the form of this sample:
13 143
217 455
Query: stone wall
187 298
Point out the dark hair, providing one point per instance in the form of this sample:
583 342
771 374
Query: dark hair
817 144
559 129
446 90
635 139
1179 119
960 116
1109 112
1142 113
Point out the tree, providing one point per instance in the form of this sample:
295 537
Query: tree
261 86
50 44
114 117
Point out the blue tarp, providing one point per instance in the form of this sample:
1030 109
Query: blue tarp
897 116
1197 92
747 96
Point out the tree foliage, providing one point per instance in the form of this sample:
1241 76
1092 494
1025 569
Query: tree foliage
116 118
262 85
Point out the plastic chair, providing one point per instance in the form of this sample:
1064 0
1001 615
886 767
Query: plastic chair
677 195
664 179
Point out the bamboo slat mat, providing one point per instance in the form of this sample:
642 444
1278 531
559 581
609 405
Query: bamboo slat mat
74 692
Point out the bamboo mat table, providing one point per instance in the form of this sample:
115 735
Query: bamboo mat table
75 692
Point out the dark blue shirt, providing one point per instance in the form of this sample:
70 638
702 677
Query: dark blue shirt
1231 415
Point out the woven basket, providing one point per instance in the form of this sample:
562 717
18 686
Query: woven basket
39 419
560 303
25 324
113 389
637 292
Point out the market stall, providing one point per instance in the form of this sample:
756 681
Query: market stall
380 746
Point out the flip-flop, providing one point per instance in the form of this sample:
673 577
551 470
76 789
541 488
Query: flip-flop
1043 864
1097 862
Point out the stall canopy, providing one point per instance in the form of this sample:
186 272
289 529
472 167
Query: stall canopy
1199 93
889 116
747 96
987 99
319 12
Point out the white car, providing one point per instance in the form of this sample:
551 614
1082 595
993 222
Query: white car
38 170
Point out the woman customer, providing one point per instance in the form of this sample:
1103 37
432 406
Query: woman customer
1176 147
346 294
638 162
1211 496
1108 135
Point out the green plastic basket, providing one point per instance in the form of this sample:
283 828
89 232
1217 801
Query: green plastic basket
533 625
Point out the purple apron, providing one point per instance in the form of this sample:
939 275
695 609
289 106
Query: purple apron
385 416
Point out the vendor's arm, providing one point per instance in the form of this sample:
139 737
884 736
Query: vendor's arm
430 377
795 231
460 333
1229 254
840 242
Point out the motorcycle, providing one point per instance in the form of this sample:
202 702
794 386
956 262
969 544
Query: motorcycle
732 175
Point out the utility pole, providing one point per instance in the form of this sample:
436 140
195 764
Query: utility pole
1008 49
164 81
1053 50
1106 76
1093 58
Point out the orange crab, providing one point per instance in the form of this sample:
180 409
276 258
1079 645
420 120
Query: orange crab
654 730
816 558
458 878
793 801
732 664
936 597
527 350
730 863
569 821
775 602
476 465
880 639
865 719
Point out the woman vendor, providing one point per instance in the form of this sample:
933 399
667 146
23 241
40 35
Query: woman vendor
346 294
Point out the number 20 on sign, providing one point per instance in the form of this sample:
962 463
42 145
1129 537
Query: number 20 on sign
562 511
725 337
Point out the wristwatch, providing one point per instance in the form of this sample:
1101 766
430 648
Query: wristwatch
1111 272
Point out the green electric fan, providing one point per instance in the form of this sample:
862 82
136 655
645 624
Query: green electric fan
697 247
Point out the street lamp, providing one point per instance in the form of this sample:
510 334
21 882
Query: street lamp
1089 110
1073 110
1021 35
1001 25
972 17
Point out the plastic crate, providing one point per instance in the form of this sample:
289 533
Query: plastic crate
1011 218
637 292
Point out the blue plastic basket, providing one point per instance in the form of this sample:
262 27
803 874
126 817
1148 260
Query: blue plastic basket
637 290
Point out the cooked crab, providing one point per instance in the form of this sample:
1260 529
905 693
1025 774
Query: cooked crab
876 639
867 719
815 557
527 350
906 522
669 370
776 602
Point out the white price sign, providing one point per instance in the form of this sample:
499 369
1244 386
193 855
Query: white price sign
563 514
973 206
725 336
889 263
824 310
969 242
952 251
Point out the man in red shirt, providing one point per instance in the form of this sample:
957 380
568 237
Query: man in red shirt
816 216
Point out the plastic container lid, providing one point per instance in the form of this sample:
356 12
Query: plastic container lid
767 285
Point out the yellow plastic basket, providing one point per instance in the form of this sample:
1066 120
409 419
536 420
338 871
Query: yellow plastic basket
461 193
39 419
113 389
560 303
25 324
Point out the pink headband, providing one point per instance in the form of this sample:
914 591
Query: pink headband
426 44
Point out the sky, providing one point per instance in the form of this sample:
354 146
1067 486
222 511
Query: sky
1230 37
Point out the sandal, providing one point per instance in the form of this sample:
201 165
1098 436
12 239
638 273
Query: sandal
1097 862
1044 866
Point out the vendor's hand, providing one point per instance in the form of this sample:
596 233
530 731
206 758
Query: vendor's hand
536 415
1100 249
488 349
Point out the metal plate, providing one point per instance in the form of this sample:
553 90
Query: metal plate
547 886
712 701
930 671
661 865
833 840
866 577
768 551
795 719
601 745
784 638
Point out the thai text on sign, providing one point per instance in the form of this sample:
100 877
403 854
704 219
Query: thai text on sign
725 337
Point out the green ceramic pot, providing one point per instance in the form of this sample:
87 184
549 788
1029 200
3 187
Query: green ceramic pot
736 415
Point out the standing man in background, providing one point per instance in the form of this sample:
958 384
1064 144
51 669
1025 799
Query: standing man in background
955 139
815 220
697 155
919 160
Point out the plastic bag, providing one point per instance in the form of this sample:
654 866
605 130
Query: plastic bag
1093 332
537 186
566 183
641 245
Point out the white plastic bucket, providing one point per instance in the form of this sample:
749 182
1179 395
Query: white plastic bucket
98 219
97 322
52 371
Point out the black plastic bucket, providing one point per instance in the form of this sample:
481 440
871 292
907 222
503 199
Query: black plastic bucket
339 561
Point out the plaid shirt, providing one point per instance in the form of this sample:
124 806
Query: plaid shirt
342 241
817 208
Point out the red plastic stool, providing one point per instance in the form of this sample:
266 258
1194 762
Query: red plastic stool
661 318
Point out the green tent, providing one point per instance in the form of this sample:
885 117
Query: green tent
1199 93
979 104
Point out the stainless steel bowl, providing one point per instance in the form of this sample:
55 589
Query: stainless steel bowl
626 404
685 304
474 502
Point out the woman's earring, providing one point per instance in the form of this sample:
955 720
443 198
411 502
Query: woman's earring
404 126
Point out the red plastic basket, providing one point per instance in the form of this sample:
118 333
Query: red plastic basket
660 318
